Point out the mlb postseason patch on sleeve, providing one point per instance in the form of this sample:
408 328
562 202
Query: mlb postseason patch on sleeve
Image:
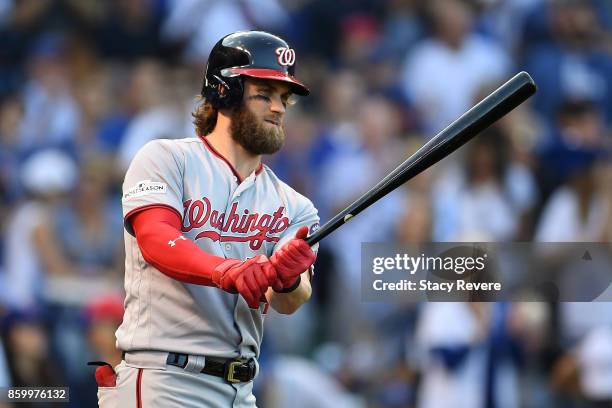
145 187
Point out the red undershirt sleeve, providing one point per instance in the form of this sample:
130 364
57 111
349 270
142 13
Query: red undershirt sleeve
159 237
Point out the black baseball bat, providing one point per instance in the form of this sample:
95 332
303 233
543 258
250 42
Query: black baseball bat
501 101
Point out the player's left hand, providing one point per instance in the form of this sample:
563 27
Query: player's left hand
293 258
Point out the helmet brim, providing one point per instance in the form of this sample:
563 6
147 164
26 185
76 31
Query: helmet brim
296 86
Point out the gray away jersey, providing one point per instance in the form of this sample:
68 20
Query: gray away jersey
223 218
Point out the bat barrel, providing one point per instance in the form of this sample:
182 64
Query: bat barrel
486 112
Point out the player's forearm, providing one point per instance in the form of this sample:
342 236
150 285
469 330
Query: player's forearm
288 303
163 246
178 264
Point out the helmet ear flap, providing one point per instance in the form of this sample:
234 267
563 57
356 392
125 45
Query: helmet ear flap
222 92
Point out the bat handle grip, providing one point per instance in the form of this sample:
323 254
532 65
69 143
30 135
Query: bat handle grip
314 238
310 241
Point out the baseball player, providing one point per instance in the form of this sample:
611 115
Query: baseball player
213 238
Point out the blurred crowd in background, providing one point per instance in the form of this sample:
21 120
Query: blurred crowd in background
84 84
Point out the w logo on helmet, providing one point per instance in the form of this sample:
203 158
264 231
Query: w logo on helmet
286 56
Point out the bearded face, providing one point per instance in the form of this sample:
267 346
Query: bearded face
256 135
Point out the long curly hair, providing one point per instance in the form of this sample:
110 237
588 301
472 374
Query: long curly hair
204 117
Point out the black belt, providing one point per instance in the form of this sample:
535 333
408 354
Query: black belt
232 370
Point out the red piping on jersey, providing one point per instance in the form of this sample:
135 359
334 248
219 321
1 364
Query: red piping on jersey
219 155
126 219
139 389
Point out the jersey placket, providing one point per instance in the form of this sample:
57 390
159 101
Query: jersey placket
228 246
241 315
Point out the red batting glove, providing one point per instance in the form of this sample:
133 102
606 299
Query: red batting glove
293 258
273 278
105 376
249 278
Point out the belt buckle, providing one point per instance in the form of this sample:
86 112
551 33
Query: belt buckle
230 372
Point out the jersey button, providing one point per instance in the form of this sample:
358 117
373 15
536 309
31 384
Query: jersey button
228 247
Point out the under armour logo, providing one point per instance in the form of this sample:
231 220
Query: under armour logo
286 56
173 243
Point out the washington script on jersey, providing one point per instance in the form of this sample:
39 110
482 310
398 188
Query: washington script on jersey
199 213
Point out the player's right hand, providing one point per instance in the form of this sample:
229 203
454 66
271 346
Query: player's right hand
295 257
250 278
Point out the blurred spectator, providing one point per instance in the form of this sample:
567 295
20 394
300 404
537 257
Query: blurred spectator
402 26
89 229
374 365
339 132
577 211
594 358
579 131
582 374
522 129
5 380
29 253
32 17
470 353
443 72
126 29
309 386
486 200
28 355
360 38
183 93
20 22
292 163
504 359
577 63
154 116
532 324
293 336
191 22
102 121
505 20
86 231
51 114
522 132
378 149
415 224
316 23
450 354
11 115
104 315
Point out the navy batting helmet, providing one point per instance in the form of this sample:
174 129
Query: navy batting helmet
256 54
